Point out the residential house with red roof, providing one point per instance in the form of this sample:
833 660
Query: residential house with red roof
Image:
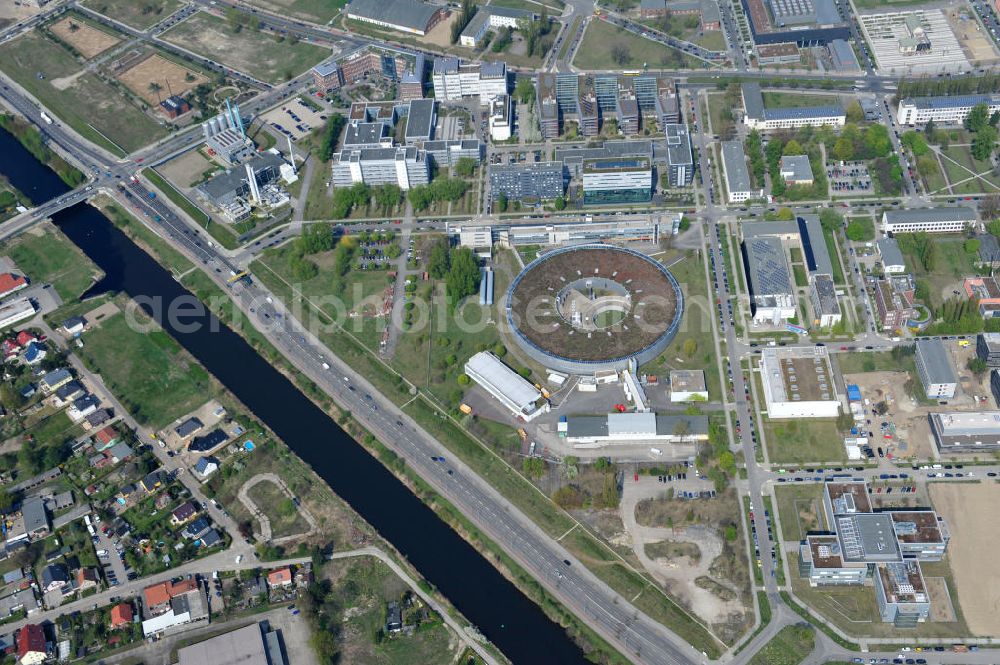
121 615
31 645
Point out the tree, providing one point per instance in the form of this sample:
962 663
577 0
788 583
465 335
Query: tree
502 203
977 366
984 143
438 261
916 142
315 238
463 275
690 347
524 91
559 203
682 428
858 231
620 54
328 145
534 467
990 208
6 501
843 149
972 245
978 117
793 148
854 112
465 167
785 214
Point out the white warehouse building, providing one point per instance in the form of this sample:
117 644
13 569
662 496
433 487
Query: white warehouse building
798 383
509 388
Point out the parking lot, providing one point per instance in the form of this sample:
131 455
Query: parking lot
849 178
294 118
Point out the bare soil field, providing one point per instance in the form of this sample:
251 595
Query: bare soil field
913 436
185 170
970 511
440 34
258 53
83 37
156 69
975 41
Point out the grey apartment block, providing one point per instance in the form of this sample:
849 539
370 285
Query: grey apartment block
935 369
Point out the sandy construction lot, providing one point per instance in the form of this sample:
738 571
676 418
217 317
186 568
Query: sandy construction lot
166 73
970 34
970 511
85 38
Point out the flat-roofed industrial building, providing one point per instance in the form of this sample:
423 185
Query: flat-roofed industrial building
250 645
798 383
688 385
632 428
966 432
416 18
505 385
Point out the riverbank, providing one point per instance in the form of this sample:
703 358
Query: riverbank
32 140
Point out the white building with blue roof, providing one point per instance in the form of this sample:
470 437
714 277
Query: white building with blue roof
949 110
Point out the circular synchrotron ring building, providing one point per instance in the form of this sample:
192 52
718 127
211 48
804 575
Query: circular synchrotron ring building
595 307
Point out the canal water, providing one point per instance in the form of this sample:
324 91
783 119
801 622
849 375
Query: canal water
507 617
28 175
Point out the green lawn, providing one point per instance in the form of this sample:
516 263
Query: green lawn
800 508
972 167
255 53
800 275
930 173
281 511
695 328
713 40
53 428
92 107
790 100
149 372
951 264
139 15
317 11
601 38
803 441
790 646
52 258
530 5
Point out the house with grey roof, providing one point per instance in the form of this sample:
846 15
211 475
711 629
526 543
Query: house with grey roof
796 170
891 256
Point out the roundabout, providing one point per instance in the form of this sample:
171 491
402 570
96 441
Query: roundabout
594 307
